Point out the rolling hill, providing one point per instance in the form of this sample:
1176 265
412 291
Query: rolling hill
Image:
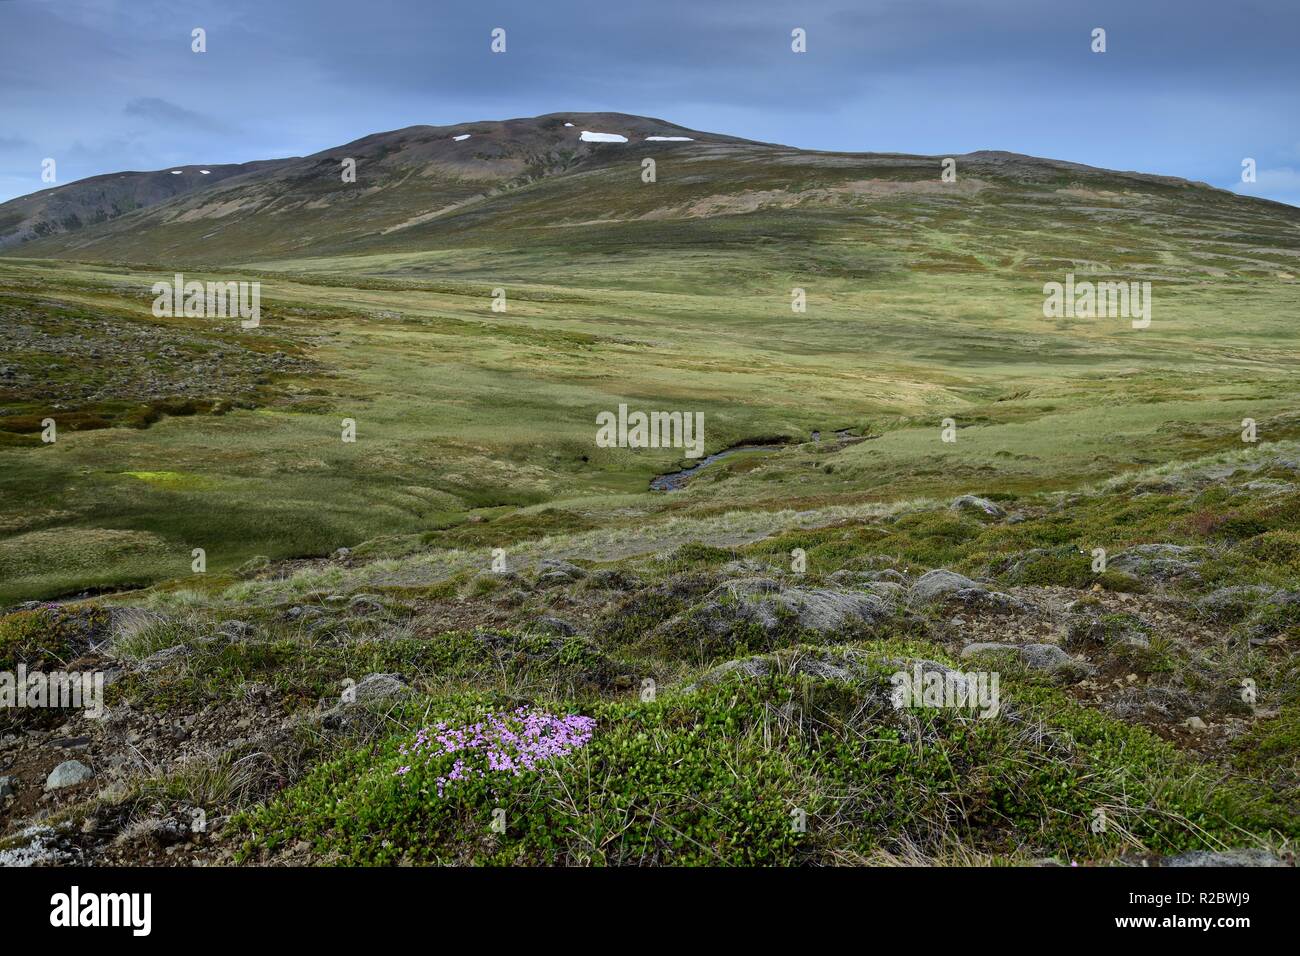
525 186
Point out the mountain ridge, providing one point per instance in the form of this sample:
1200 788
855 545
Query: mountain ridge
425 187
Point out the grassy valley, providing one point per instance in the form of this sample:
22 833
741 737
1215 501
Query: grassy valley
474 551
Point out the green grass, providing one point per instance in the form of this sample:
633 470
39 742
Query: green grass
462 411
476 431
713 776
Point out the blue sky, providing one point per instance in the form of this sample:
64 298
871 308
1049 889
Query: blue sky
1187 88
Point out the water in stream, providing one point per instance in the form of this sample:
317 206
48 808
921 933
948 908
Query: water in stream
676 480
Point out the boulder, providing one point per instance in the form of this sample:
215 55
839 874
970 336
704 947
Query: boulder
70 773
167 656
377 687
555 570
977 505
940 583
1040 657
1158 562
1046 657
769 603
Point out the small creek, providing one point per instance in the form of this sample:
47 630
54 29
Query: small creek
676 480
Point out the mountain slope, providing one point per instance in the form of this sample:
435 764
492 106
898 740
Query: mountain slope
64 209
403 176
534 185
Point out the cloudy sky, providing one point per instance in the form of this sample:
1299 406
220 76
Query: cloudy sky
1186 87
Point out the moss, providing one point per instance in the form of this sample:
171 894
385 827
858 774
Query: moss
48 636
1279 547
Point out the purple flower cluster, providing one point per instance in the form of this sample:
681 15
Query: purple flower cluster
513 743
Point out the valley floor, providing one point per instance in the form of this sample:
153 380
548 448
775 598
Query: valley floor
473 636
707 703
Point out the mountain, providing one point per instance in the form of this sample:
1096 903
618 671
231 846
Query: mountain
89 202
539 183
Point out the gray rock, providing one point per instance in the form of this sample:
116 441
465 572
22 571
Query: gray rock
1159 562
376 687
1045 657
70 773
1242 857
940 583
980 505
1039 657
553 569
168 655
1232 604
6 787
768 603
556 626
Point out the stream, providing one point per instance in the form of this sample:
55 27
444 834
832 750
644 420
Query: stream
676 480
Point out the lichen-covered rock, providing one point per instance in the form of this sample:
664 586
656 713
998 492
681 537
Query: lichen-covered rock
937 584
165 657
1040 657
982 506
552 571
1159 562
769 604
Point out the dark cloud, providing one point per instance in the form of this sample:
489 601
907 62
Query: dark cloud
165 113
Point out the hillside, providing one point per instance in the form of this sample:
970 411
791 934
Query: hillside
60 210
521 188
315 648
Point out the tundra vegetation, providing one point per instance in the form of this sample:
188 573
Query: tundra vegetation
699 675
